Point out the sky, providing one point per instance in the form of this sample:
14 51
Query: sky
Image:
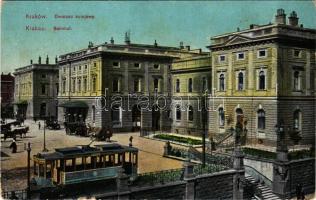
168 22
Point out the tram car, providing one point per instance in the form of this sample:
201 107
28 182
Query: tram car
76 167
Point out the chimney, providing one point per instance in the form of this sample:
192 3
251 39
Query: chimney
181 45
112 40
155 44
31 61
127 37
293 19
39 60
280 17
47 60
187 48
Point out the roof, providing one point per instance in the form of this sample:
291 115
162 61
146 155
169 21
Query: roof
80 150
74 104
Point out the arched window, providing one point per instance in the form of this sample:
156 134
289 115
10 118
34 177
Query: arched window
178 112
190 85
115 113
190 113
297 120
240 81
262 80
261 119
221 117
297 82
222 82
239 115
177 85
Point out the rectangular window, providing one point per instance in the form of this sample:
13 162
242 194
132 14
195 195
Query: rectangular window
80 67
43 89
43 75
241 56
136 65
116 64
222 58
136 85
74 69
177 85
297 53
156 66
262 53
86 67
190 85
95 64
115 85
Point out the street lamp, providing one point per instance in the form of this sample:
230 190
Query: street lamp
204 118
281 148
28 169
44 148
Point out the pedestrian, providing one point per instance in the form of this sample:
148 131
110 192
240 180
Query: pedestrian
35 120
13 146
39 125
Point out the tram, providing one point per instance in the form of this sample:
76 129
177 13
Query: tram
83 163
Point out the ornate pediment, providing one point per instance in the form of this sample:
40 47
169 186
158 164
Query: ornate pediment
237 39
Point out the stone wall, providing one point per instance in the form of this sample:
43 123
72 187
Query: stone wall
265 167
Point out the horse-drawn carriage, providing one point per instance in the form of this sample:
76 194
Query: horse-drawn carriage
10 130
76 128
52 124
100 133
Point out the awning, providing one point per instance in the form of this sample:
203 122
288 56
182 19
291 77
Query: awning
74 104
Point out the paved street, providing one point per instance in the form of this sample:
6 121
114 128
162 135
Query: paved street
13 166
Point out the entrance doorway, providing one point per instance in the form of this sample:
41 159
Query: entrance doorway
155 118
43 110
239 116
136 117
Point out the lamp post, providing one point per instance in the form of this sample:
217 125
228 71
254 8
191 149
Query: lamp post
28 169
281 149
44 148
204 118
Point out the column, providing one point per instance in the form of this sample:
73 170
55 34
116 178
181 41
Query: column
189 177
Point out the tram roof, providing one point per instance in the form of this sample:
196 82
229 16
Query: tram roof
81 150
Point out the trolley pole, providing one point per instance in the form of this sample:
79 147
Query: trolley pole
28 169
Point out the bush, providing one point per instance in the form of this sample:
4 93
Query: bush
179 139
259 153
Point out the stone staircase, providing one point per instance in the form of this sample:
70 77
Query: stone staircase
261 191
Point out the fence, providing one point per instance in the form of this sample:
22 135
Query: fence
17 194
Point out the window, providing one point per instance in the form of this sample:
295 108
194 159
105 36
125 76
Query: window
57 88
221 117
261 119
240 81
73 85
240 56
204 84
137 85
79 85
116 113
93 114
115 85
43 75
95 64
262 80
85 84
222 58
156 84
136 65
64 69
178 112
74 69
190 85
297 53
297 81
297 120
94 83
86 67
43 87
156 66
262 53
116 64
177 85
190 113
222 82
64 85
80 67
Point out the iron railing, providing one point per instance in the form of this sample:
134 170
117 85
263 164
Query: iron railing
17 194
258 176
207 169
159 177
